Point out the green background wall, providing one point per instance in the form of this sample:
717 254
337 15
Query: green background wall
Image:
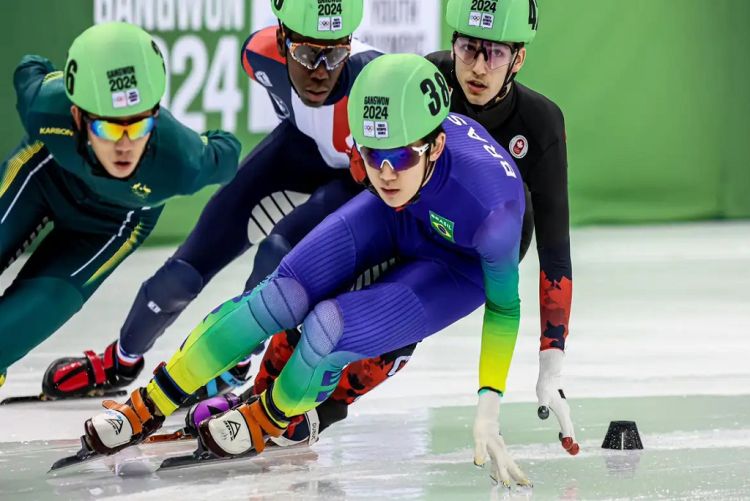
655 95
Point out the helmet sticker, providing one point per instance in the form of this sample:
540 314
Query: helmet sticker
483 13
375 116
122 85
121 78
329 15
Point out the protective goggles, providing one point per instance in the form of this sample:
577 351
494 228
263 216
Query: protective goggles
496 54
400 159
112 131
310 55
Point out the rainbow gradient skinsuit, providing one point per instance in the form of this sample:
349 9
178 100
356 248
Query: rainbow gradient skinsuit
98 220
457 245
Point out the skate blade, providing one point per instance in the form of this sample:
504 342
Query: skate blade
203 457
84 455
45 398
198 457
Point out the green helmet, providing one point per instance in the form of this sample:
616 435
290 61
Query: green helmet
114 70
322 19
495 20
396 100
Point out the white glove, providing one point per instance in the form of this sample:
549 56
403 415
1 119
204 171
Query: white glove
489 441
550 395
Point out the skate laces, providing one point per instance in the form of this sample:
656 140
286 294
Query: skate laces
135 410
258 424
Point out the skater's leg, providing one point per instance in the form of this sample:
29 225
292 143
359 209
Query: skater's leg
413 301
326 261
59 277
284 160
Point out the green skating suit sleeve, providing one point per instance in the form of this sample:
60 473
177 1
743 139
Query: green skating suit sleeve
177 160
497 244
475 200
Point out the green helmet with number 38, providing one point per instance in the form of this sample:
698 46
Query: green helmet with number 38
397 100
115 70
321 19
494 20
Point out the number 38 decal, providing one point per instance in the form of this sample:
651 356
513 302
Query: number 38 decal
437 99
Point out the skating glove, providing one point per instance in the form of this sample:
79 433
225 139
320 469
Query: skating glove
489 442
550 395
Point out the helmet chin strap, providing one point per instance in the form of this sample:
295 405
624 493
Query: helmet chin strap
425 176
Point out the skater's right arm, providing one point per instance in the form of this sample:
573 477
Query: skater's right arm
27 80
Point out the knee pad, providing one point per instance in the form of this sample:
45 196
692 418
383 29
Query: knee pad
323 328
271 251
280 303
172 287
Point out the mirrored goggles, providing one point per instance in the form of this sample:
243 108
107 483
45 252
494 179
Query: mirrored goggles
400 159
310 55
496 54
112 131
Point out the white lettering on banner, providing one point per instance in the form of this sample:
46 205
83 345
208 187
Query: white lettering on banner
221 93
402 25
168 15
209 76
165 15
189 48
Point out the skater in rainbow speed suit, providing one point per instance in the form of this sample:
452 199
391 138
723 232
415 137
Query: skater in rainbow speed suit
481 69
444 198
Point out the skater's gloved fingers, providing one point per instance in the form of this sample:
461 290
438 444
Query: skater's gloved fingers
561 409
501 474
518 475
480 452
570 445
500 461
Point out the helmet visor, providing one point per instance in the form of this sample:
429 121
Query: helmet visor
112 131
400 159
311 55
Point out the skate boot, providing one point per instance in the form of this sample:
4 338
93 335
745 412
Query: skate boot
238 431
91 374
301 430
122 425
208 408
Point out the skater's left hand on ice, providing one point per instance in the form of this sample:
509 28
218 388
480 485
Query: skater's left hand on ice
550 395
489 442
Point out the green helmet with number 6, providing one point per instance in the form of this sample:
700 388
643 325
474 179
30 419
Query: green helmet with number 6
115 70
494 20
321 19
397 100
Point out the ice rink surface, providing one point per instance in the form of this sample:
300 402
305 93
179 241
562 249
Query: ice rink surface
659 335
